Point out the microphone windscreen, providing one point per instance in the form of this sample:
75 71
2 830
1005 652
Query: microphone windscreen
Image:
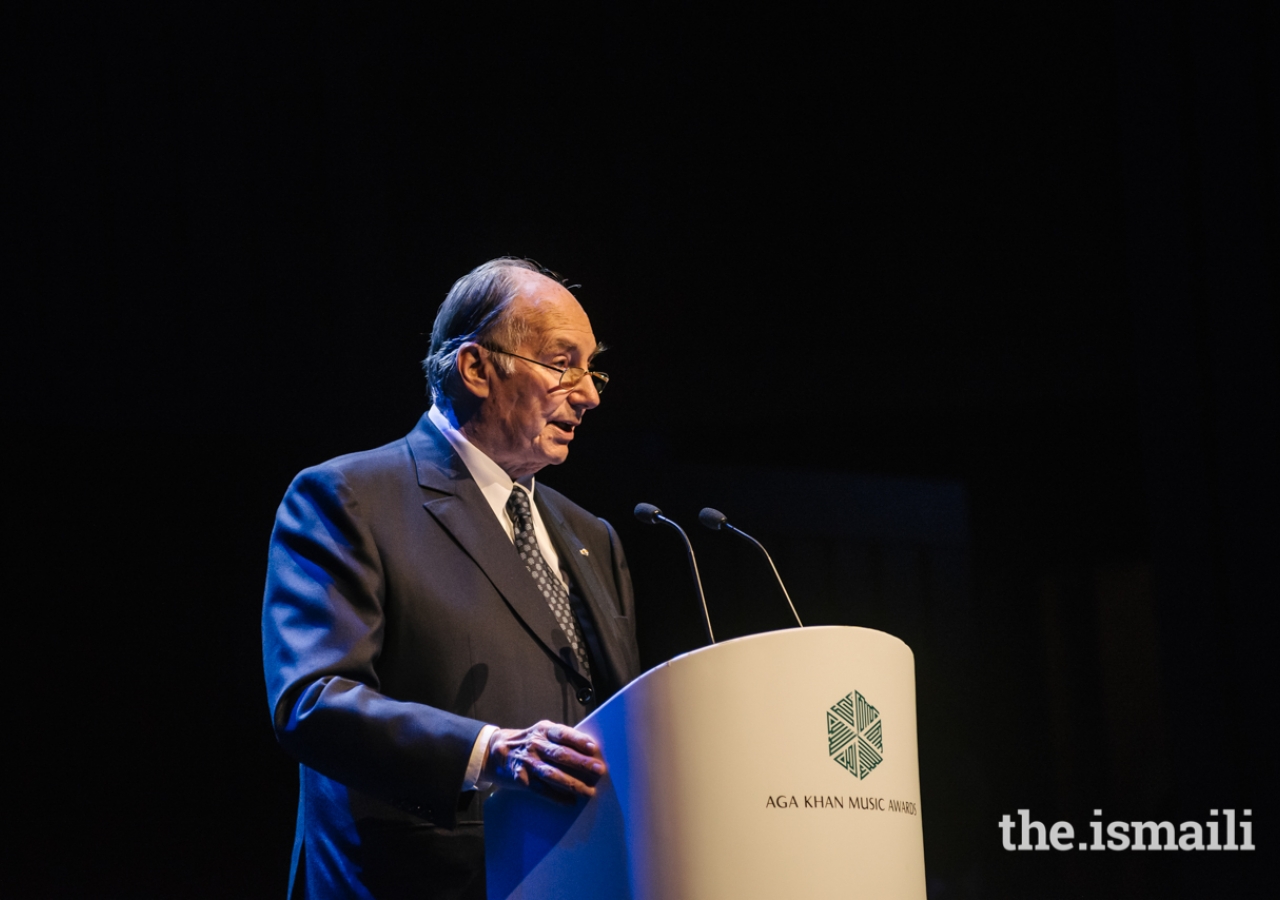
712 518
647 513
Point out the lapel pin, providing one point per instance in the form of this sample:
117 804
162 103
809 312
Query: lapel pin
584 552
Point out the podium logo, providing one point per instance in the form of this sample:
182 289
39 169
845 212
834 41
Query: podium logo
855 738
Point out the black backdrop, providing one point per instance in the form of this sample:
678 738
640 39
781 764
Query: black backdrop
969 310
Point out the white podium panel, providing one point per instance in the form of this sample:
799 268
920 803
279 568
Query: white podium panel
777 765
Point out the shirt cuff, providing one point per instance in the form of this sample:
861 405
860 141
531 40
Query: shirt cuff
479 756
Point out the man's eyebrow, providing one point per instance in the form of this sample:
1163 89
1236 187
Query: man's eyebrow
569 345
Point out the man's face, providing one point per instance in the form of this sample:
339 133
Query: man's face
527 421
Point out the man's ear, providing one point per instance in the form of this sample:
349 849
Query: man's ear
473 369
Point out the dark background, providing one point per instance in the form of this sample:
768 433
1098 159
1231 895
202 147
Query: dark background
967 310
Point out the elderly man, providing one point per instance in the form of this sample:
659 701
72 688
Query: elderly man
434 621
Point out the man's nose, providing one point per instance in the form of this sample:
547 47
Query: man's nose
584 394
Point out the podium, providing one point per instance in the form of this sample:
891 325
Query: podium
777 765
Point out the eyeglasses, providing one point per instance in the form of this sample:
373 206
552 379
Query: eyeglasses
569 377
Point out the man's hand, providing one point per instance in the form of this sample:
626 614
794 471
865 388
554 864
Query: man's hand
549 759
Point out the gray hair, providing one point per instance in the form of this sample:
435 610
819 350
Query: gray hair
477 309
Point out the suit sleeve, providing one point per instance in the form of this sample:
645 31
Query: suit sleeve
322 628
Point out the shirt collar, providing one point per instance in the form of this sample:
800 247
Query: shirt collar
494 483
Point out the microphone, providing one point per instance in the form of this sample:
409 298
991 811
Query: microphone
651 515
716 520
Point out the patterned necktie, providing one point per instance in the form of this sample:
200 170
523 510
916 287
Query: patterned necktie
553 590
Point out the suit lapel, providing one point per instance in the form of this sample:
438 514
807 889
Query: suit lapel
463 511
593 590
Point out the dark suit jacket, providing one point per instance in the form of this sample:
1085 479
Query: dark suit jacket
398 620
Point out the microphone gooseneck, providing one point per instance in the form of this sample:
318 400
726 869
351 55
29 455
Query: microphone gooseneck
651 515
718 521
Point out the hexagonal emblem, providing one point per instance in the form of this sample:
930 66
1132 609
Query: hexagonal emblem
855 737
